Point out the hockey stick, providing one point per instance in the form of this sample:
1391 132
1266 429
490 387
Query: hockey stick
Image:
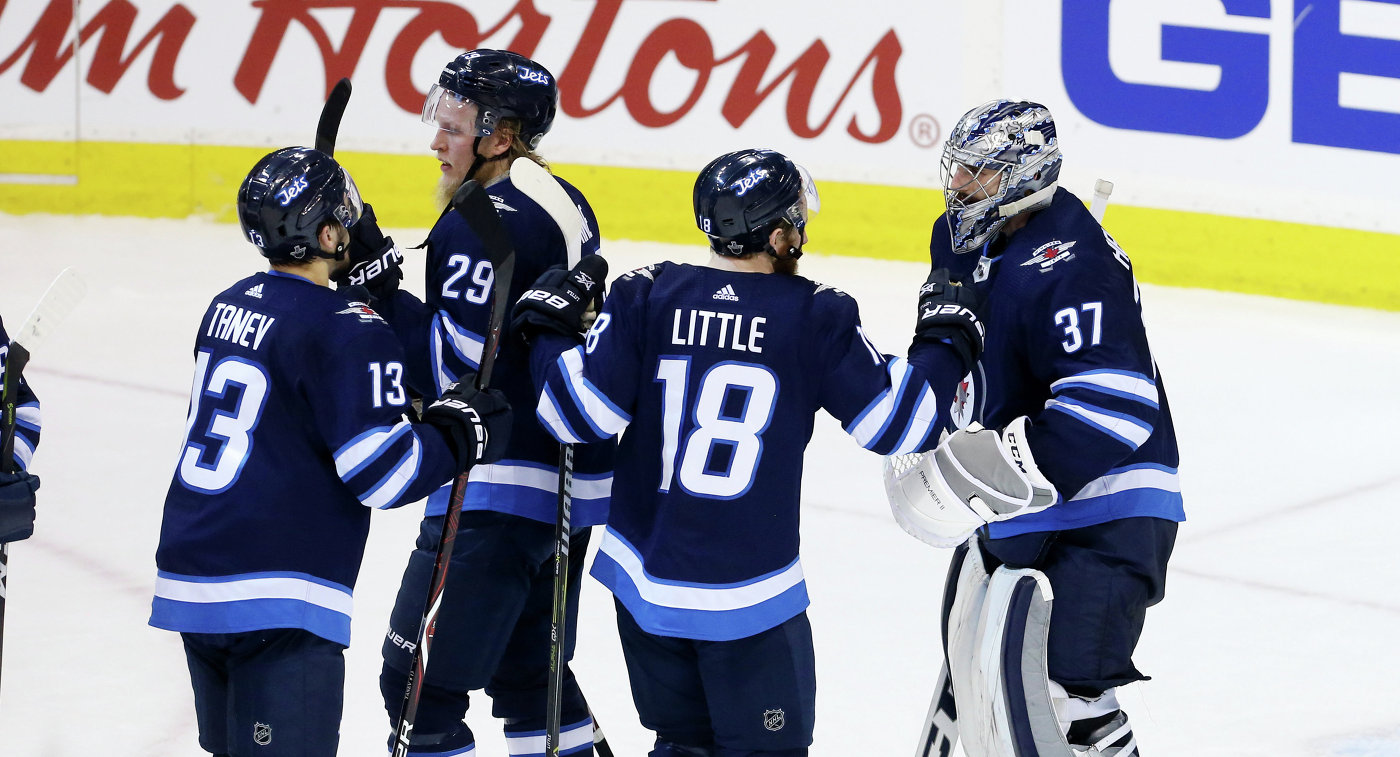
1102 189
329 125
540 186
475 207
58 301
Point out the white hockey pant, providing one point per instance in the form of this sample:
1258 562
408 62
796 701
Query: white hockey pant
998 628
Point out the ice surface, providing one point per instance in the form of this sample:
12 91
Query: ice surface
1277 636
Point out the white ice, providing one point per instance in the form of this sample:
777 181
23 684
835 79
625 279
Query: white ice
1277 636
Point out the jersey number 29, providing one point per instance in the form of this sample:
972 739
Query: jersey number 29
731 409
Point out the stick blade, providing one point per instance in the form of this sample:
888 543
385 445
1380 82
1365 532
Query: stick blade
541 186
331 113
62 296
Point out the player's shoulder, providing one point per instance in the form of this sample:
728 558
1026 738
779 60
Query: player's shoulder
1061 243
306 305
638 282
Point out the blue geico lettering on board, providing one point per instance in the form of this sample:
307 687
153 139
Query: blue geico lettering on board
1322 54
1231 110
754 178
290 192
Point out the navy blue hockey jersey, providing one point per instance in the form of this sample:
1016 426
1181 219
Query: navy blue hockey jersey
444 338
296 430
1066 346
27 421
716 376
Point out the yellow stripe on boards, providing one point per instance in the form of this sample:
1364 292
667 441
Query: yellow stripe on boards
1168 247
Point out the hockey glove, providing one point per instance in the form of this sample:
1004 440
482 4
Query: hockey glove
374 259
476 422
17 505
975 476
948 313
559 300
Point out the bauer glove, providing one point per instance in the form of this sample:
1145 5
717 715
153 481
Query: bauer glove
476 422
560 299
374 259
948 314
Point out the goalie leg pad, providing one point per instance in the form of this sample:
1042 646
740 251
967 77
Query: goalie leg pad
1006 704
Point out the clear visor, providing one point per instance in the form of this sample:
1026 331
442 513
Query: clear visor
809 202
351 207
454 114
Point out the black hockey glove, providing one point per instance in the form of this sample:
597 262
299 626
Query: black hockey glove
17 506
476 422
559 299
948 313
374 259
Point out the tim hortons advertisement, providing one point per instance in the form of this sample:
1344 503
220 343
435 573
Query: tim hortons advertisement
648 83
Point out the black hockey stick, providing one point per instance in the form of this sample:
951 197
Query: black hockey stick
474 205
329 125
58 301
537 184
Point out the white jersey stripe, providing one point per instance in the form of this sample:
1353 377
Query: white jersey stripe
1118 383
1130 431
279 587
716 599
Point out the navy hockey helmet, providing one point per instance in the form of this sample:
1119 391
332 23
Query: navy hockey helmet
740 197
1002 159
289 195
500 84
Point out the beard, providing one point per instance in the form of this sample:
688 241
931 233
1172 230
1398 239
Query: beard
446 187
785 266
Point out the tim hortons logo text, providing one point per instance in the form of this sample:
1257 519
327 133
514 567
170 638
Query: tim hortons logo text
47 48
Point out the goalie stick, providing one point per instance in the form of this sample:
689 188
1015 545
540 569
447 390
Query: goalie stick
475 207
940 733
539 185
329 126
58 301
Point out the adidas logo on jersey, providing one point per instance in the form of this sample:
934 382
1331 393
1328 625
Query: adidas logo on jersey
254 291
727 293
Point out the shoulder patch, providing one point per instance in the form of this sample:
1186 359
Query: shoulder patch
501 204
828 288
1050 253
362 311
647 271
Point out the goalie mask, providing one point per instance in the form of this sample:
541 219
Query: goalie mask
740 197
1001 159
288 196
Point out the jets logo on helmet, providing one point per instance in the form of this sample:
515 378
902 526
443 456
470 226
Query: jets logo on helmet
478 89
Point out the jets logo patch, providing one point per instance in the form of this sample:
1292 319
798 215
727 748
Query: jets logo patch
1051 253
362 311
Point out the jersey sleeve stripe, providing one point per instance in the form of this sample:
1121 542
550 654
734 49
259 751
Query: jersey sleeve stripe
601 413
552 416
1127 478
364 449
27 416
870 425
23 451
388 490
1132 386
920 425
1126 429
449 339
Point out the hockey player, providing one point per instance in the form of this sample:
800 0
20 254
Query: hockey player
1068 405
717 373
17 488
296 430
488 108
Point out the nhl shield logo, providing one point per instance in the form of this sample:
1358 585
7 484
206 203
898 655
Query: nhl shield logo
773 720
262 734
